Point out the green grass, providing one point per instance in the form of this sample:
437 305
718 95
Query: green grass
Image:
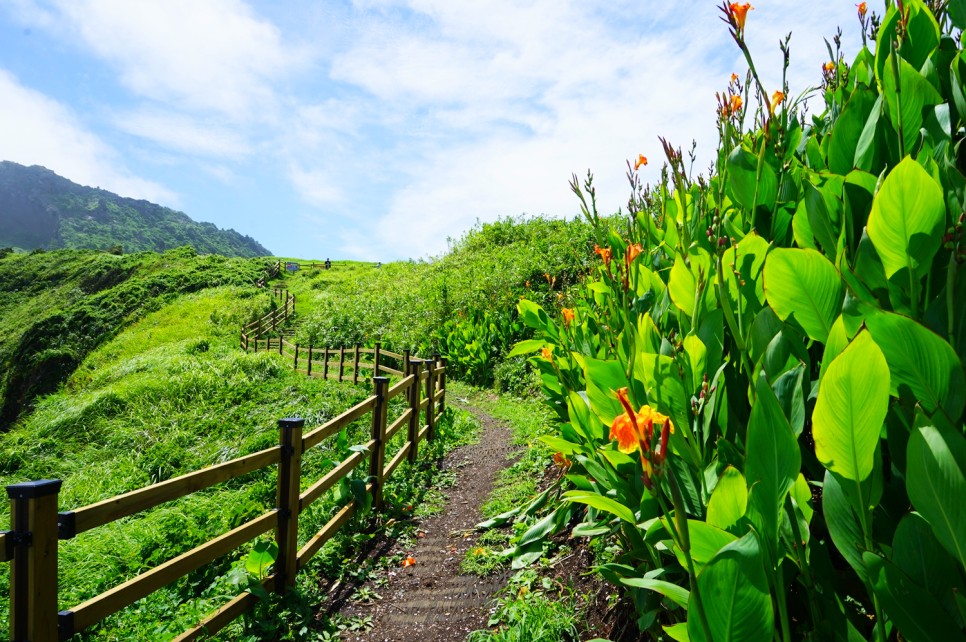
169 395
532 609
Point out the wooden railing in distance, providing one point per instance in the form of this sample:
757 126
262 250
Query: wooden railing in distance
259 330
31 545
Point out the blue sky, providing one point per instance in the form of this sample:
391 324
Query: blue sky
377 129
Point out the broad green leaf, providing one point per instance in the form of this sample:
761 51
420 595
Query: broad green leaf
920 362
262 556
729 501
526 347
535 317
742 265
936 483
843 525
746 186
916 93
677 632
688 274
848 129
906 221
802 494
852 403
677 594
819 208
735 596
919 554
603 379
697 359
805 286
601 502
706 541
772 464
665 390
911 609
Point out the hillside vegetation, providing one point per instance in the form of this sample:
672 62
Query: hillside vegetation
461 304
41 210
163 389
56 307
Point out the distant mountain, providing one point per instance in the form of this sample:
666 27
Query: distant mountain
39 209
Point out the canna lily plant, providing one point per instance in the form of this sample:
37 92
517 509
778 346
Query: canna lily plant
761 389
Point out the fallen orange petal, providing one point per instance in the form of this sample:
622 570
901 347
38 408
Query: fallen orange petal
409 561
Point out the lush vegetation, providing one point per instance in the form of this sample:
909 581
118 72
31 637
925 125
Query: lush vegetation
42 210
164 392
761 393
460 305
56 307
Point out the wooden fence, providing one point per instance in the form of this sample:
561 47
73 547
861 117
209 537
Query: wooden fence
31 544
257 330
273 271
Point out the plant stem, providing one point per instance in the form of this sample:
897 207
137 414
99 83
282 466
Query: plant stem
950 289
782 605
802 561
681 525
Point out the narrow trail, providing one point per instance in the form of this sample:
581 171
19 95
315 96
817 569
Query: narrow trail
431 601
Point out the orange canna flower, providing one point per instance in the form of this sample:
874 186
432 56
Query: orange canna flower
829 66
862 9
409 561
560 461
633 251
735 103
776 99
634 431
546 353
605 254
641 161
739 11
734 77
568 315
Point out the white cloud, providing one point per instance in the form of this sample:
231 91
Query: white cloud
35 130
216 55
316 187
504 100
182 133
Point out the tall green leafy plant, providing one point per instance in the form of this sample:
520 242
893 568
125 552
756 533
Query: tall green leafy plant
762 390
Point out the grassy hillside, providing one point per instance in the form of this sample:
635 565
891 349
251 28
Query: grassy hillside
56 307
39 209
166 392
461 304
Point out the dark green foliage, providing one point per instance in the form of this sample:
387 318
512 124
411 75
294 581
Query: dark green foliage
56 307
39 209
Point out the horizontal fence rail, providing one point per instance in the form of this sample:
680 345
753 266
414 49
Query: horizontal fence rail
31 544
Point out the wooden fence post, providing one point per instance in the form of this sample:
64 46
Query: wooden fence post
293 304
442 384
289 475
341 362
310 360
413 368
355 367
296 365
377 458
325 363
33 573
430 393
280 343
375 359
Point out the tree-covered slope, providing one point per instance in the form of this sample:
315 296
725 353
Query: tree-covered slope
39 209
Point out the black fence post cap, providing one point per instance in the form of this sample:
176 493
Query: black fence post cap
291 421
34 489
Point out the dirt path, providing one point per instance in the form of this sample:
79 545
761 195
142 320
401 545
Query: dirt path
431 601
